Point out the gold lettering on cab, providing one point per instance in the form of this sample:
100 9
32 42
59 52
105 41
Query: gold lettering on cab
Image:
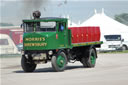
35 39
35 44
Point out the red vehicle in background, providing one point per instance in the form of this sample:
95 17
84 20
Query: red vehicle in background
15 33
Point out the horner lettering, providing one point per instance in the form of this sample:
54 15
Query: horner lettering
35 39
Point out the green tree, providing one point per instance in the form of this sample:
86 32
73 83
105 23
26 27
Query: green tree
122 18
6 24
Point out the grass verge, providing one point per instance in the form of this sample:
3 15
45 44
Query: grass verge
113 52
9 55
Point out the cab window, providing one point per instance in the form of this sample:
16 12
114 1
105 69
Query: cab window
61 26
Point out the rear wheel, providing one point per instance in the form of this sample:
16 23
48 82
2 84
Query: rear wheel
124 48
59 61
89 58
27 65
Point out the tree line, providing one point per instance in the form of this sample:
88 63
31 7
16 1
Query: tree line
122 18
6 24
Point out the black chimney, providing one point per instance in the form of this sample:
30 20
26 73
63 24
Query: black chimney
36 14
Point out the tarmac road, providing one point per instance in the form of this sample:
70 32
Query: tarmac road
111 69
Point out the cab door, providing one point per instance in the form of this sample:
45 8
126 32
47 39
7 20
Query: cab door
61 34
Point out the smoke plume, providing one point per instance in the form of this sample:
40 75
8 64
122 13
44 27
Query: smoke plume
31 5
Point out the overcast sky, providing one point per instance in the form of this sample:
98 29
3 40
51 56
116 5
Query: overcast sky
11 11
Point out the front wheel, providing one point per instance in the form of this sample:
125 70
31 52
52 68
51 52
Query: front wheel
27 65
89 59
59 61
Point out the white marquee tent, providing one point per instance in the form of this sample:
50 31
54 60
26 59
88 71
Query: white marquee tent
70 23
107 25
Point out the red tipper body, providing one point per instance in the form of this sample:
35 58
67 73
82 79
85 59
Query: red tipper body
85 34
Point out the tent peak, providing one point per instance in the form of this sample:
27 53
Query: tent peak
95 11
102 10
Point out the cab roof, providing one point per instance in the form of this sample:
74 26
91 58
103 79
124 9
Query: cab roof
46 19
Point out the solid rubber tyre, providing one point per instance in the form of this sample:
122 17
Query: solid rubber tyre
89 58
59 62
27 66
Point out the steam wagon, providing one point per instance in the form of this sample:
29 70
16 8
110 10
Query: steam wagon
50 39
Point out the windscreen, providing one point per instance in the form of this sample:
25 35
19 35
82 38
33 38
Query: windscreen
39 26
4 42
47 26
112 37
28 27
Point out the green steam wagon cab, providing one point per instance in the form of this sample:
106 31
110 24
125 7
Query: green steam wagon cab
50 39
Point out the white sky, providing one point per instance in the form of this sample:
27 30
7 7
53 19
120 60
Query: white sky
72 0
11 13
3 2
